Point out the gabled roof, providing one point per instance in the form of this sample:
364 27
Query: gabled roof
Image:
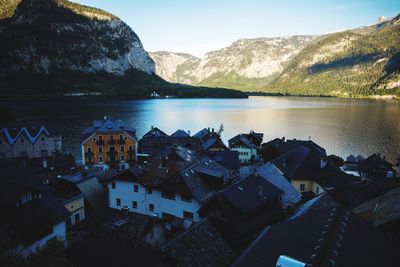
200 245
10 135
227 158
272 174
202 133
382 210
180 133
242 139
373 162
155 132
109 125
331 237
299 163
251 193
212 142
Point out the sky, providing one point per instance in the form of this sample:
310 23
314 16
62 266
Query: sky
200 26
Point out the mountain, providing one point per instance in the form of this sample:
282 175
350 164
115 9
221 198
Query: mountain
246 64
351 63
356 62
54 47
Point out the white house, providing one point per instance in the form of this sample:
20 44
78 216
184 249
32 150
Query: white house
245 147
127 192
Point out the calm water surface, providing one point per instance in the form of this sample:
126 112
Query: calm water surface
342 126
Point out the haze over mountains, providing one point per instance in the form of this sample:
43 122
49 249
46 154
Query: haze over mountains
361 61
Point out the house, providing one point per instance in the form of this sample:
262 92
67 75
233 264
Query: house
384 212
32 215
242 209
246 145
210 140
330 237
154 132
180 133
32 142
115 238
376 166
280 146
228 159
109 143
151 145
309 171
71 197
168 189
291 196
198 246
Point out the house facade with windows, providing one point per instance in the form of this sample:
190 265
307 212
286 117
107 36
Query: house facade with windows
32 215
32 142
247 145
126 191
109 143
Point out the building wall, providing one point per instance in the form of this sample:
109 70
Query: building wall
95 157
22 145
5 148
125 191
76 206
59 232
47 143
245 153
309 186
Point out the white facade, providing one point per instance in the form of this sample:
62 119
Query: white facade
245 153
59 233
125 192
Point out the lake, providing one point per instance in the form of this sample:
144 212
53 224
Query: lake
341 126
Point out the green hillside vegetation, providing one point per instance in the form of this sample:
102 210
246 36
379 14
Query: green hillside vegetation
345 64
235 81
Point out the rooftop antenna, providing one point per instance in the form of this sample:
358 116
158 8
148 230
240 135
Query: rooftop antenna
221 129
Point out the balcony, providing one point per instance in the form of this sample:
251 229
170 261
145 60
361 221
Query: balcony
100 142
111 142
121 141
89 154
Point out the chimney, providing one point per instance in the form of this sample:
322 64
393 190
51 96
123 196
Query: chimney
283 139
152 127
208 128
188 132
212 130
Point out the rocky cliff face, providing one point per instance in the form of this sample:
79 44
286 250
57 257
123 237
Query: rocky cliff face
246 64
43 36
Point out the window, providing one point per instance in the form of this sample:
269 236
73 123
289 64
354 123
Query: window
187 215
135 188
118 202
302 187
100 159
100 149
149 190
121 137
68 221
100 138
317 191
90 159
131 148
186 197
168 195
43 153
168 217
111 137
134 205
77 218
94 138
151 207
89 150
122 148
113 185
122 158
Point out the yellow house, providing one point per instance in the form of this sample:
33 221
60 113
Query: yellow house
109 143
307 186
76 206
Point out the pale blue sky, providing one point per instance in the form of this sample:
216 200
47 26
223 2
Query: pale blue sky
199 26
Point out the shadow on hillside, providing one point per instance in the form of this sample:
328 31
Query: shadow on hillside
344 62
393 64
